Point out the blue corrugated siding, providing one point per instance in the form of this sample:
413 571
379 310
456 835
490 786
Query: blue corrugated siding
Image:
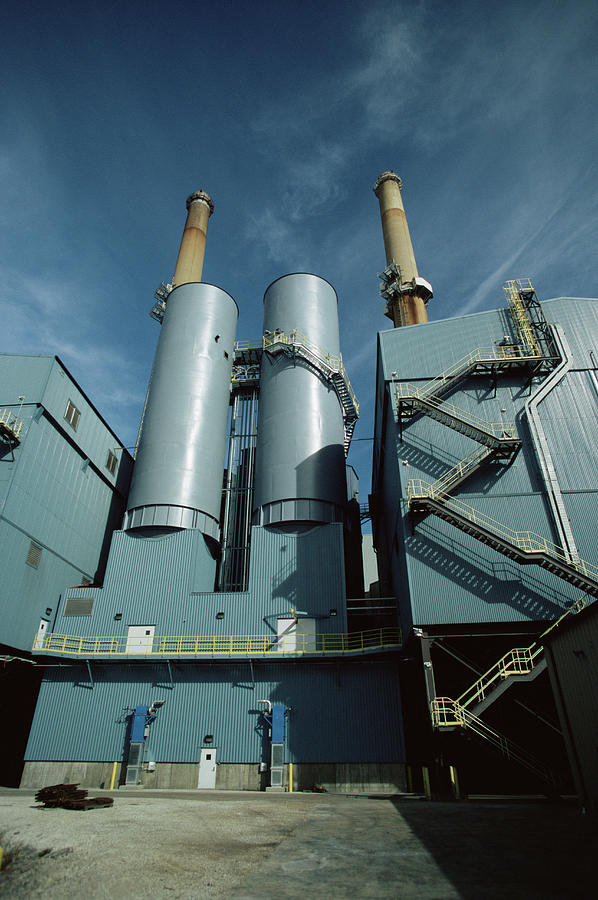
450 577
166 582
331 720
25 592
56 498
579 319
49 497
92 435
305 571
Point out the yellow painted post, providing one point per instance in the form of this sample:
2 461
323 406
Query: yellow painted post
426 779
290 778
454 783
112 779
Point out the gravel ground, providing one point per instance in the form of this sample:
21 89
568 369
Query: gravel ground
140 847
244 846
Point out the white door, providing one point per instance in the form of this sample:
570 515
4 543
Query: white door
39 637
140 638
207 769
299 636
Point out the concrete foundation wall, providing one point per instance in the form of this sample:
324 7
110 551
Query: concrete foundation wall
350 778
37 775
341 777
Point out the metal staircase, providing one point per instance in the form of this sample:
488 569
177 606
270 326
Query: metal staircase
293 343
519 664
449 713
522 546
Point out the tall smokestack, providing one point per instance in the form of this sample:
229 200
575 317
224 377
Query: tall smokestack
406 293
189 262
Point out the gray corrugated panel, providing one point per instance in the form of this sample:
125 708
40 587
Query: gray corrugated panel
91 434
424 351
582 509
148 581
569 416
305 571
331 718
579 318
163 582
455 578
56 498
26 593
23 376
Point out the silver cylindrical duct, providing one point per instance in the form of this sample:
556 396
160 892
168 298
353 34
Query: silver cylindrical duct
177 479
300 460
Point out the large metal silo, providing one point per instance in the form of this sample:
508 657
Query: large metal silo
177 479
300 460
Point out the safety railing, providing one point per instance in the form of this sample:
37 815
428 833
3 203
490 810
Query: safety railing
462 470
525 541
514 290
220 645
450 713
481 357
332 363
519 661
499 430
9 423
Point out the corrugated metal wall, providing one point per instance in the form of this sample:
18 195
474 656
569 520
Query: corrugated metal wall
52 496
339 712
166 582
572 654
450 577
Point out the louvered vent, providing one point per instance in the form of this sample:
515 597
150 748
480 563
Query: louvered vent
34 555
78 606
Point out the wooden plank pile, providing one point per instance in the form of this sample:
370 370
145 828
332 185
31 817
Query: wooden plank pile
67 796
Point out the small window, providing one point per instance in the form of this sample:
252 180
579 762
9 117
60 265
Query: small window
111 462
220 615
72 415
225 355
78 606
34 555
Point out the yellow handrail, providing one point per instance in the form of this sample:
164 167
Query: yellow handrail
513 290
331 361
526 541
499 430
449 713
480 356
218 645
11 423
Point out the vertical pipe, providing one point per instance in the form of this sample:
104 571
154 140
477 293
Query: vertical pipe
408 306
189 264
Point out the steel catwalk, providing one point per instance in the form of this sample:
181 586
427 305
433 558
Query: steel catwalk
300 464
177 479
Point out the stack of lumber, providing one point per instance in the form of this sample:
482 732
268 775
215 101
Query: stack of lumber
68 797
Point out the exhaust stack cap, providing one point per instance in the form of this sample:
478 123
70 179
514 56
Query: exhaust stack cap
386 176
200 195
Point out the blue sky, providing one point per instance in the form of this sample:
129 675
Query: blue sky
286 113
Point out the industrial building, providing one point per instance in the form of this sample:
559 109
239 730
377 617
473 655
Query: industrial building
207 626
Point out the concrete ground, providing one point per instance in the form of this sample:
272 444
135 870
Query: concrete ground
245 846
